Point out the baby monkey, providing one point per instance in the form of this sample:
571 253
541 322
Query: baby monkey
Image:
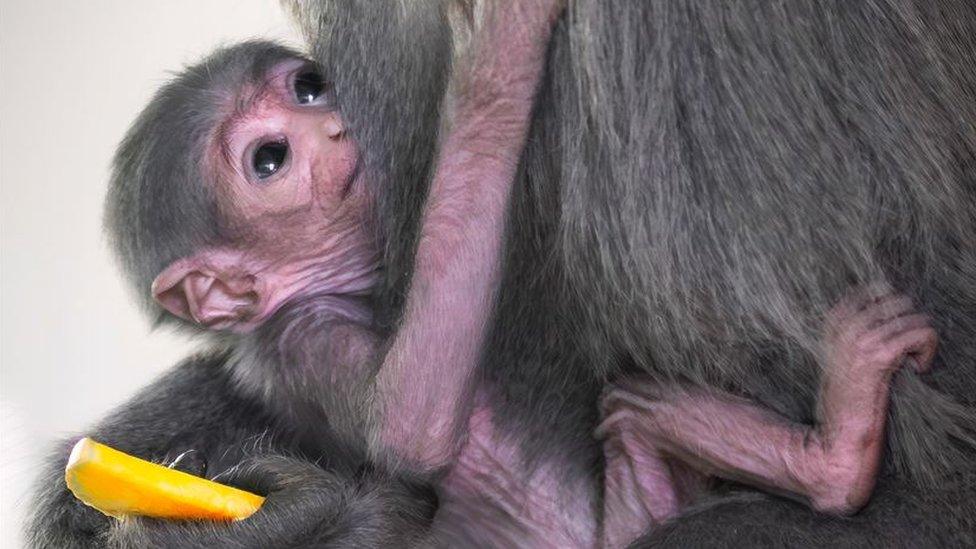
250 210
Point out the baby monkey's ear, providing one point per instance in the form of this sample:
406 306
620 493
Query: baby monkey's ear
212 288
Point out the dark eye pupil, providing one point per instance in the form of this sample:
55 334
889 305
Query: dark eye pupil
308 87
268 158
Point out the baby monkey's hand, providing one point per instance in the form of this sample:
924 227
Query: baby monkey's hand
868 336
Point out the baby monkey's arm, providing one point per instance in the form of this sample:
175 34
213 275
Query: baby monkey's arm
423 388
647 428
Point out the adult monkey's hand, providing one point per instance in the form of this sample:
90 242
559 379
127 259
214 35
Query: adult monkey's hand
305 505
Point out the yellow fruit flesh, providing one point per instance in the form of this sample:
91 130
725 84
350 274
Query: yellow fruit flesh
120 485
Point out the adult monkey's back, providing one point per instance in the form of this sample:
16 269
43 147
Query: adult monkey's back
703 180
730 169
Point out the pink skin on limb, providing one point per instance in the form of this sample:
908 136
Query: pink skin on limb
426 385
304 232
304 235
649 428
491 496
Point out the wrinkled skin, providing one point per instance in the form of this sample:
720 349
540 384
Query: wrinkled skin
304 222
703 181
295 266
658 438
523 413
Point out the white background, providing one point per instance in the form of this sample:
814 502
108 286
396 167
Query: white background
73 75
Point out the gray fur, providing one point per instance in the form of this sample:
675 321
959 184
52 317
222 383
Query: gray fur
702 181
160 205
779 153
247 412
390 61
901 516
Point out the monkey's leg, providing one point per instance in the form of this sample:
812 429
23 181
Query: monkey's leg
639 488
493 497
834 465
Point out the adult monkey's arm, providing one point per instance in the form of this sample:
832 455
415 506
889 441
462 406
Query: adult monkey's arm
424 385
196 410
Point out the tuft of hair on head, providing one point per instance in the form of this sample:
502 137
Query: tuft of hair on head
160 204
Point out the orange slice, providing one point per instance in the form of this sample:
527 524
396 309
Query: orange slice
119 485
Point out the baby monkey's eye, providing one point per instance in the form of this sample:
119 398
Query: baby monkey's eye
268 158
310 87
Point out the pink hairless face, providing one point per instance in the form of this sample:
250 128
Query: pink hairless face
290 195
286 150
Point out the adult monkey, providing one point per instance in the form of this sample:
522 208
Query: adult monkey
707 176
273 247
557 370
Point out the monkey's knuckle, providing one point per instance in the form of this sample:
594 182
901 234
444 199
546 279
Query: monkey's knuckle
626 418
615 421
871 348
883 359
613 398
865 351
839 502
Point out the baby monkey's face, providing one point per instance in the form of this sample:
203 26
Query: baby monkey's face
286 153
288 191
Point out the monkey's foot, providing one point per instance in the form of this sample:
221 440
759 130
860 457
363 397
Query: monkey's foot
868 336
641 487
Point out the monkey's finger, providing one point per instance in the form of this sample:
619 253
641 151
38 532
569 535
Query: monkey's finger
270 473
891 328
611 397
920 344
881 311
613 448
611 424
622 499
605 403
619 397
189 461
